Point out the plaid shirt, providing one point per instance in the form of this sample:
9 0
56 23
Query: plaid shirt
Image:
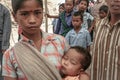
82 38
53 47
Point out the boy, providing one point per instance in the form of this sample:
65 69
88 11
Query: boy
64 23
78 36
103 11
54 22
88 20
83 5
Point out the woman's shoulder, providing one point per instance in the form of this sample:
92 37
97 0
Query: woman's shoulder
8 54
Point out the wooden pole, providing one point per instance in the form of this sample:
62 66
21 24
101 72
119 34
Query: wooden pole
46 20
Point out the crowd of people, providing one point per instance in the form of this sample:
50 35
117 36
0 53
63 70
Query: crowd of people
66 54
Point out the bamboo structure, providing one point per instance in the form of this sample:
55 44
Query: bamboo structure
46 19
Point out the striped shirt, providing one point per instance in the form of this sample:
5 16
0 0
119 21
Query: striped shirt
106 52
53 47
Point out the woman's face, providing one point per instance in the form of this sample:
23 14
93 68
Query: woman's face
29 17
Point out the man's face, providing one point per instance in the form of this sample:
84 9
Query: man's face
114 6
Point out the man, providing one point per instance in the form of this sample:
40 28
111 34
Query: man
5 30
106 46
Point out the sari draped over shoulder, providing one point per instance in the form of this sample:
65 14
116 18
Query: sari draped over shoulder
34 65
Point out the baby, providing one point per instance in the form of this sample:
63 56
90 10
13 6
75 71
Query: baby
74 63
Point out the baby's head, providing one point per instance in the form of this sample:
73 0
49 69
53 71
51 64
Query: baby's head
75 60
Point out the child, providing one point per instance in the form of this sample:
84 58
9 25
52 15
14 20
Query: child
103 11
88 20
64 23
78 36
76 2
83 5
37 55
54 23
74 63
61 9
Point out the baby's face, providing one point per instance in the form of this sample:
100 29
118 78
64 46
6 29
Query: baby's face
71 63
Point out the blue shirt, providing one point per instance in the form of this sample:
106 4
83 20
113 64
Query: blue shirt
86 16
82 38
68 20
54 23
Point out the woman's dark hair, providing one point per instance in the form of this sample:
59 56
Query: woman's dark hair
104 8
86 1
17 4
87 57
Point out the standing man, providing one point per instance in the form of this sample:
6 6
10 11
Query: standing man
106 46
5 30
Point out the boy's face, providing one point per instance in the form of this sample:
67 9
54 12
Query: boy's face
82 5
102 14
76 2
76 22
69 6
71 63
29 16
114 6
